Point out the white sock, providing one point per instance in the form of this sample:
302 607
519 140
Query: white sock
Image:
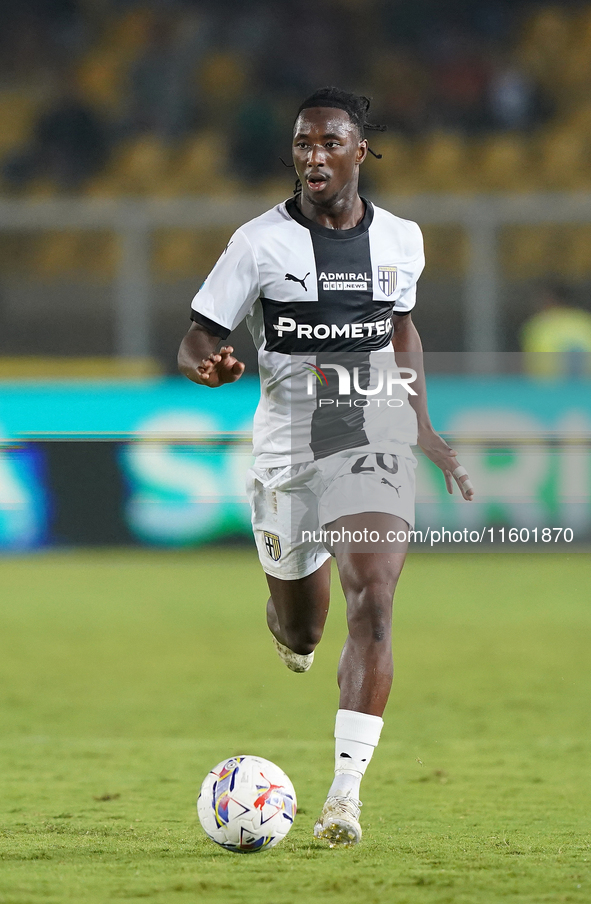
356 737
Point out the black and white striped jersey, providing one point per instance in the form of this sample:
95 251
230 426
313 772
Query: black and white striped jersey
314 296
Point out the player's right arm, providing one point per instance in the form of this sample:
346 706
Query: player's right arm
223 301
199 361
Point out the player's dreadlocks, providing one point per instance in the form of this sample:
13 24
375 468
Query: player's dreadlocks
356 105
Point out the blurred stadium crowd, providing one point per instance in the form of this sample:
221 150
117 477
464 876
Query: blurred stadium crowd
173 97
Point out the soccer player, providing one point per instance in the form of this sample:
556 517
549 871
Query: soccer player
327 282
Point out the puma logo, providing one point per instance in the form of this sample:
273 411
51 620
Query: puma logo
392 485
302 282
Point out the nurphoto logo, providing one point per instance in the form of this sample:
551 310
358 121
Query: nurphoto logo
387 379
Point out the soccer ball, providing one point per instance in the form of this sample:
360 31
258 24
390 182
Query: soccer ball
246 804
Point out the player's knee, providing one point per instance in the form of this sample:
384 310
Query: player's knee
369 613
303 640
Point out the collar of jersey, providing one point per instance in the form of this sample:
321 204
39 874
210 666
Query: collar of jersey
338 234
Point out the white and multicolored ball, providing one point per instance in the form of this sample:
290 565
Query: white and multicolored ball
246 804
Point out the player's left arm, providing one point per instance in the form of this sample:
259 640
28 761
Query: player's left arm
409 353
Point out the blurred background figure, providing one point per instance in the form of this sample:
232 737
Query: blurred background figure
557 339
163 94
256 137
68 144
512 95
460 79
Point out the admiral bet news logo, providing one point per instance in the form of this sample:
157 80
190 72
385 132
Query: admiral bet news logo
350 384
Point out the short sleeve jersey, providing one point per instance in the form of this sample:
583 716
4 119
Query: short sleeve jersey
314 297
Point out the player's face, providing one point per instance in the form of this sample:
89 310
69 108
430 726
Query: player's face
327 152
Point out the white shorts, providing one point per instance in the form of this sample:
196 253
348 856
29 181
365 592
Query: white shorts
292 501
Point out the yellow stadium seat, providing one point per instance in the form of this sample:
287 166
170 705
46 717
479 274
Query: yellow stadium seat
548 27
200 165
222 81
56 255
18 108
577 253
140 165
176 253
445 251
75 255
574 72
581 27
395 172
545 43
100 78
527 252
130 33
98 255
502 164
16 251
564 160
443 163
41 188
276 188
105 184
183 253
578 118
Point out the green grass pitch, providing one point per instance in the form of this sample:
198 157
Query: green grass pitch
126 675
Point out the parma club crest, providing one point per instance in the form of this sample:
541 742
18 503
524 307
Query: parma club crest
272 545
387 279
